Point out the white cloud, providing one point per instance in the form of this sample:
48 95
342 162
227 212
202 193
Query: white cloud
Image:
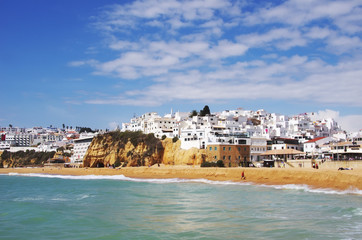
318 33
351 22
121 45
204 50
225 49
343 44
113 125
91 62
350 123
302 21
282 38
77 63
302 12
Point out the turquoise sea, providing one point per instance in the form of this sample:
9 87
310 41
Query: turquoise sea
34 206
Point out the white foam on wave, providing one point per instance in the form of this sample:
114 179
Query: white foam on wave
122 177
28 199
83 197
297 187
73 177
306 188
358 211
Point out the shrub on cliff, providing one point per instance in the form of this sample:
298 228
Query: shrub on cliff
28 158
219 163
117 163
208 164
134 137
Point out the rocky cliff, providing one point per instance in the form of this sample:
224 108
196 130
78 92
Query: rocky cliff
22 159
137 149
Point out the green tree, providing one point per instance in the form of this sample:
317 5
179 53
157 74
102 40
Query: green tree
85 129
205 111
193 113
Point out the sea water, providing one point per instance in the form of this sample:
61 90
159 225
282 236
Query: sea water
35 206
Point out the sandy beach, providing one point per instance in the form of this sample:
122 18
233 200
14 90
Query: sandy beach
321 178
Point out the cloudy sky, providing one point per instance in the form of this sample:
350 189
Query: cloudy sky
98 63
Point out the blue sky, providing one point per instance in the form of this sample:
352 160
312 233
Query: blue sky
98 63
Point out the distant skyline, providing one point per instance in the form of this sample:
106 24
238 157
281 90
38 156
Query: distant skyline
98 63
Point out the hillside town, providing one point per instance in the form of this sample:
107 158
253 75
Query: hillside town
238 137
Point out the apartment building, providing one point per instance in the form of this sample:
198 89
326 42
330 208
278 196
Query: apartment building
233 155
80 148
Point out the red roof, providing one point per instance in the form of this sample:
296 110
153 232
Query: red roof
315 139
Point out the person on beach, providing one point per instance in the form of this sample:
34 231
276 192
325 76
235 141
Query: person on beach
243 175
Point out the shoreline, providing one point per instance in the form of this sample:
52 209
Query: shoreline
321 178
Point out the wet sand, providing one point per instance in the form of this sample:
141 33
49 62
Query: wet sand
321 178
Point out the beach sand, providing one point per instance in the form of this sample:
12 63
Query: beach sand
321 178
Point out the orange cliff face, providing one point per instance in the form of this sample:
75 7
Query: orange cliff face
146 150
174 155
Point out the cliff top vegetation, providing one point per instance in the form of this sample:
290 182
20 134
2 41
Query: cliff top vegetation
134 137
27 158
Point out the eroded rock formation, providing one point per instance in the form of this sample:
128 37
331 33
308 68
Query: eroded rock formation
137 149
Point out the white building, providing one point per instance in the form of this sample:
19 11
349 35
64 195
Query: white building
81 146
286 143
4 145
258 146
199 131
314 146
20 139
160 126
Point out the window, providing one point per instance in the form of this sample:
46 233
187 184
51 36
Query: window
229 157
223 157
210 148
229 148
223 148
215 148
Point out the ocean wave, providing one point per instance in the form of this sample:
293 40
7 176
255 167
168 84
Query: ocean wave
357 211
124 178
307 188
298 187
29 199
